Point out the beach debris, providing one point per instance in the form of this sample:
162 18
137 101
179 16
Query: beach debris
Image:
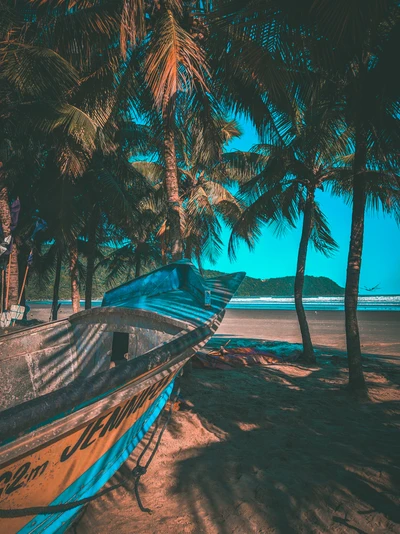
235 353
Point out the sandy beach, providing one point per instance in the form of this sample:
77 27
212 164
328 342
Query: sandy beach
273 448
269 449
380 330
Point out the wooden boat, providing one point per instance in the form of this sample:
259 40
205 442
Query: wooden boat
68 420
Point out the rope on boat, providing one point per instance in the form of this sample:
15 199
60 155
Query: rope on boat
55 508
140 470
137 472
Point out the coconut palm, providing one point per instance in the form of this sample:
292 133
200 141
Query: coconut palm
352 46
113 191
285 175
204 183
371 103
174 63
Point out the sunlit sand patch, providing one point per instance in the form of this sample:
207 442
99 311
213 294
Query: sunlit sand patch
295 370
248 427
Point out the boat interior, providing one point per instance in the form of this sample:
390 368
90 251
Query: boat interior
41 359
133 319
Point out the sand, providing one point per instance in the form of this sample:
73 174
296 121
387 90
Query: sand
269 449
274 449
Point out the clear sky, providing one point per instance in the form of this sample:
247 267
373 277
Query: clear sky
275 256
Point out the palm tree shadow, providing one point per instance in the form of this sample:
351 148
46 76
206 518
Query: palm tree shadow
284 450
293 448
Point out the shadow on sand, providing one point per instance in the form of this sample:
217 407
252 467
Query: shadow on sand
290 452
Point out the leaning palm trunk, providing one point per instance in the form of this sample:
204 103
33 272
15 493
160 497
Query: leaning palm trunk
308 350
12 279
356 376
73 267
172 189
94 219
56 288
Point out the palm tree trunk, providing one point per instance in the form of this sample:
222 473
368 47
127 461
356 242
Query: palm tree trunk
5 214
23 272
172 187
356 376
188 251
138 268
73 267
94 219
56 287
5 221
13 290
308 349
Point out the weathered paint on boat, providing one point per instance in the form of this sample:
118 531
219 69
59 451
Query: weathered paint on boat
62 446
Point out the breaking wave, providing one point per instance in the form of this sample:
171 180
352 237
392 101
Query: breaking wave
365 303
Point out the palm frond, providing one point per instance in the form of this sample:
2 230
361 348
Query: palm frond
321 236
174 60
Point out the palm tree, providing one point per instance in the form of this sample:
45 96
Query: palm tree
364 39
353 47
114 192
279 183
204 183
175 63
43 87
374 125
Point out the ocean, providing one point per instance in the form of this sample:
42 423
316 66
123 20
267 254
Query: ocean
365 303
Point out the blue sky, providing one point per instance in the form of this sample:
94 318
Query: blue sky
276 256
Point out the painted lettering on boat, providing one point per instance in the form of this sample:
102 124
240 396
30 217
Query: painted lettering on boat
106 423
24 474
40 476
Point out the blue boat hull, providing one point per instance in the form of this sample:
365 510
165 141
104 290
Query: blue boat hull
97 476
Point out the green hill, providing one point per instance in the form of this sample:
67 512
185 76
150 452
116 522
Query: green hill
283 287
251 287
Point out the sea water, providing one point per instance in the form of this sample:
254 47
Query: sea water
365 303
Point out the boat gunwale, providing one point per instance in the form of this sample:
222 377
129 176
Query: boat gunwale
101 310
48 434
34 413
